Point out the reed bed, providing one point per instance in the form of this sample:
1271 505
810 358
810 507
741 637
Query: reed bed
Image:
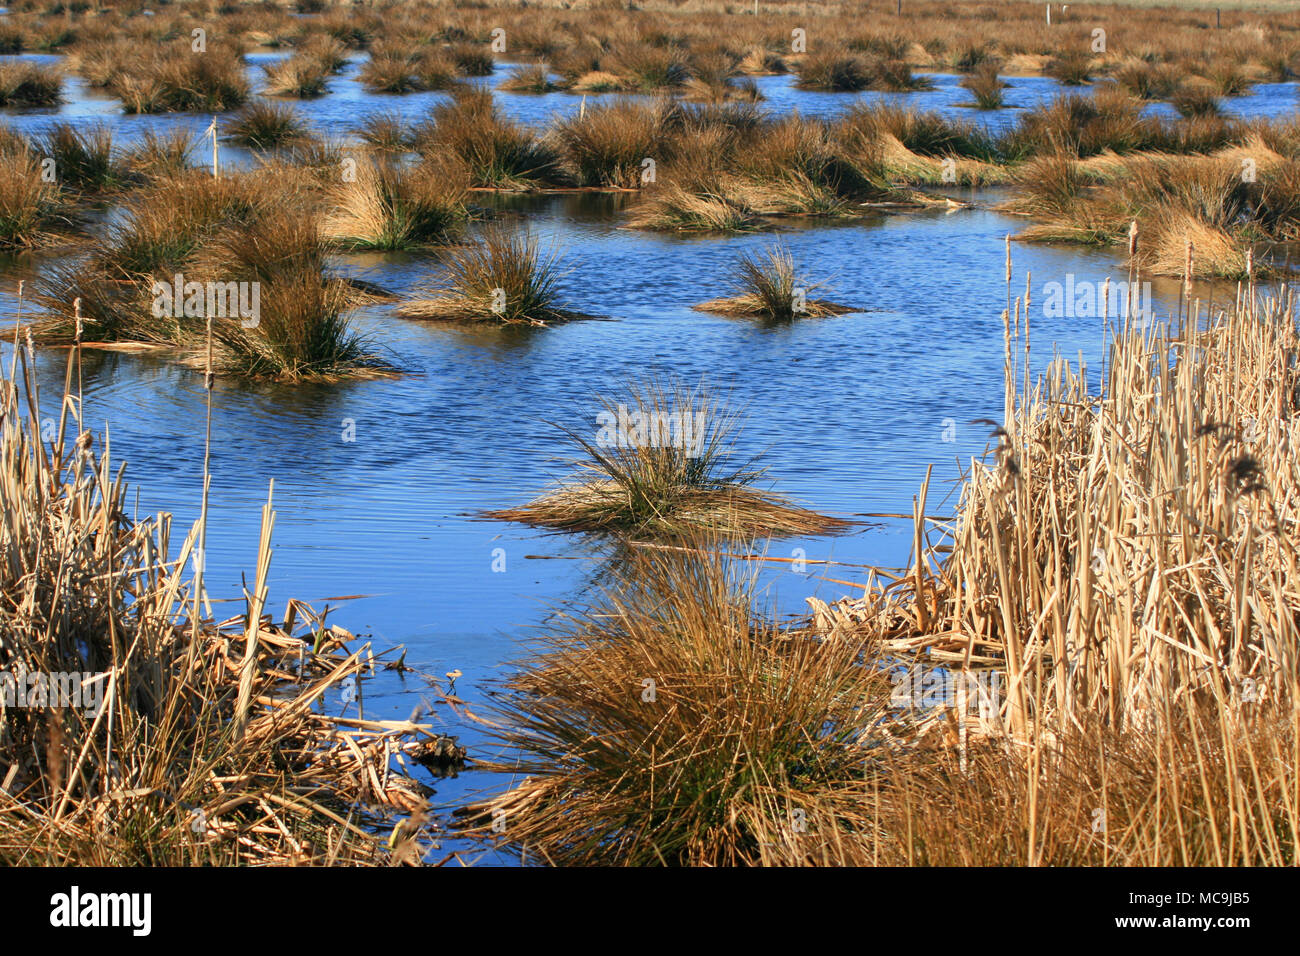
662 465
182 740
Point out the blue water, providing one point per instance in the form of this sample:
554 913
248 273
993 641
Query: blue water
847 412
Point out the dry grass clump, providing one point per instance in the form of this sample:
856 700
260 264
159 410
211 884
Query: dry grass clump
301 75
250 228
608 144
661 465
33 210
1070 68
529 79
1195 99
926 133
768 286
386 207
264 124
84 159
504 279
726 178
179 79
1109 119
671 725
701 205
182 740
29 84
405 69
496 152
986 86
160 155
1205 200
833 70
385 131
1147 81
643 68
303 330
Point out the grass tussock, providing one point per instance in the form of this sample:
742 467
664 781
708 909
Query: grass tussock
384 207
303 329
608 144
503 279
843 71
84 159
264 124
34 211
302 76
715 725
662 465
161 155
986 86
529 79
1204 200
496 152
29 84
768 286
180 79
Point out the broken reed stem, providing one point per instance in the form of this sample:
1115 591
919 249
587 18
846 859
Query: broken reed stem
256 604
209 380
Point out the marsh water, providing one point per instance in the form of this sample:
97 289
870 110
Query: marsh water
378 484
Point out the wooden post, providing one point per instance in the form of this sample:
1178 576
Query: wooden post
1218 23
900 8
213 129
